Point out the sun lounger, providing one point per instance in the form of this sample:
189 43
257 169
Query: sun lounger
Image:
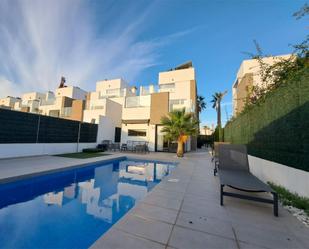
234 172
215 155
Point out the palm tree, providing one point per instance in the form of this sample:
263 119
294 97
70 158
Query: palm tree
178 125
216 100
201 104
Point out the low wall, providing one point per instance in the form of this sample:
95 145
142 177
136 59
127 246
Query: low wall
36 149
295 180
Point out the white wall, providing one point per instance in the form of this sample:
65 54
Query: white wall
136 113
114 112
19 150
295 180
106 129
104 85
150 134
71 92
177 75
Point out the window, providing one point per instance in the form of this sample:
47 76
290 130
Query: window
137 133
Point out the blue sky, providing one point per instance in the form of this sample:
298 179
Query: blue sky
91 40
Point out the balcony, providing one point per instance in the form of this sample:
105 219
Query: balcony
167 88
66 112
137 101
47 102
112 93
177 104
96 107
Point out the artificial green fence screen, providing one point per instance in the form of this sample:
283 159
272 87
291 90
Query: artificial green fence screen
21 127
277 129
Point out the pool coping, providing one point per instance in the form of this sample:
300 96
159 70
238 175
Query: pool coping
75 165
71 166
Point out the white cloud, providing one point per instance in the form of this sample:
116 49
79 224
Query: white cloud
8 88
43 40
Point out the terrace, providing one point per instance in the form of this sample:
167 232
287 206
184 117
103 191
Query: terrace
183 210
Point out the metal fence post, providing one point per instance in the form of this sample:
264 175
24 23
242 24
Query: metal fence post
78 136
38 129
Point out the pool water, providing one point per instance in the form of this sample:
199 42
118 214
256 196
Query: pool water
72 209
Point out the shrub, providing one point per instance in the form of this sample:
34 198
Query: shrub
92 150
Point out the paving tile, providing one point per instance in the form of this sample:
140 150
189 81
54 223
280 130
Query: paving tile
174 186
243 245
266 238
204 208
205 224
165 193
116 239
154 212
206 196
147 228
183 238
162 201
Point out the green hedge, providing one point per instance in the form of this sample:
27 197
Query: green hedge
277 127
219 134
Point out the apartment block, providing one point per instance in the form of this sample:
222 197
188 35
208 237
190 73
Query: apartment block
249 75
141 114
105 106
67 102
10 102
125 112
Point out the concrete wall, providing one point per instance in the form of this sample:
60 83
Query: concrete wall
20 150
240 92
159 107
150 134
106 129
138 113
71 92
103 85
114 112
295 180
78 106
176 75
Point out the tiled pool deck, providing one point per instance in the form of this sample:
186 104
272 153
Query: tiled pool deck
184 214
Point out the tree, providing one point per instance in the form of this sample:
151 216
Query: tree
283 70
216 100
201 104
177 126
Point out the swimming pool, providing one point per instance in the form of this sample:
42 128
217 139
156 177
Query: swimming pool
73 208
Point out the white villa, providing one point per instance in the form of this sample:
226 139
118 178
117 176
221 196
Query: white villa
124 112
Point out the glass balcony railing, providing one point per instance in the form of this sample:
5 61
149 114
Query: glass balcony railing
48 102
112 93
66 111
177 104
137 101
167 87
96 107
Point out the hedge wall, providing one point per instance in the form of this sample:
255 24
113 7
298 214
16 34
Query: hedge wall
277 128
21 127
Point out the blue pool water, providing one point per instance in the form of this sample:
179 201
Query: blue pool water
72 209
